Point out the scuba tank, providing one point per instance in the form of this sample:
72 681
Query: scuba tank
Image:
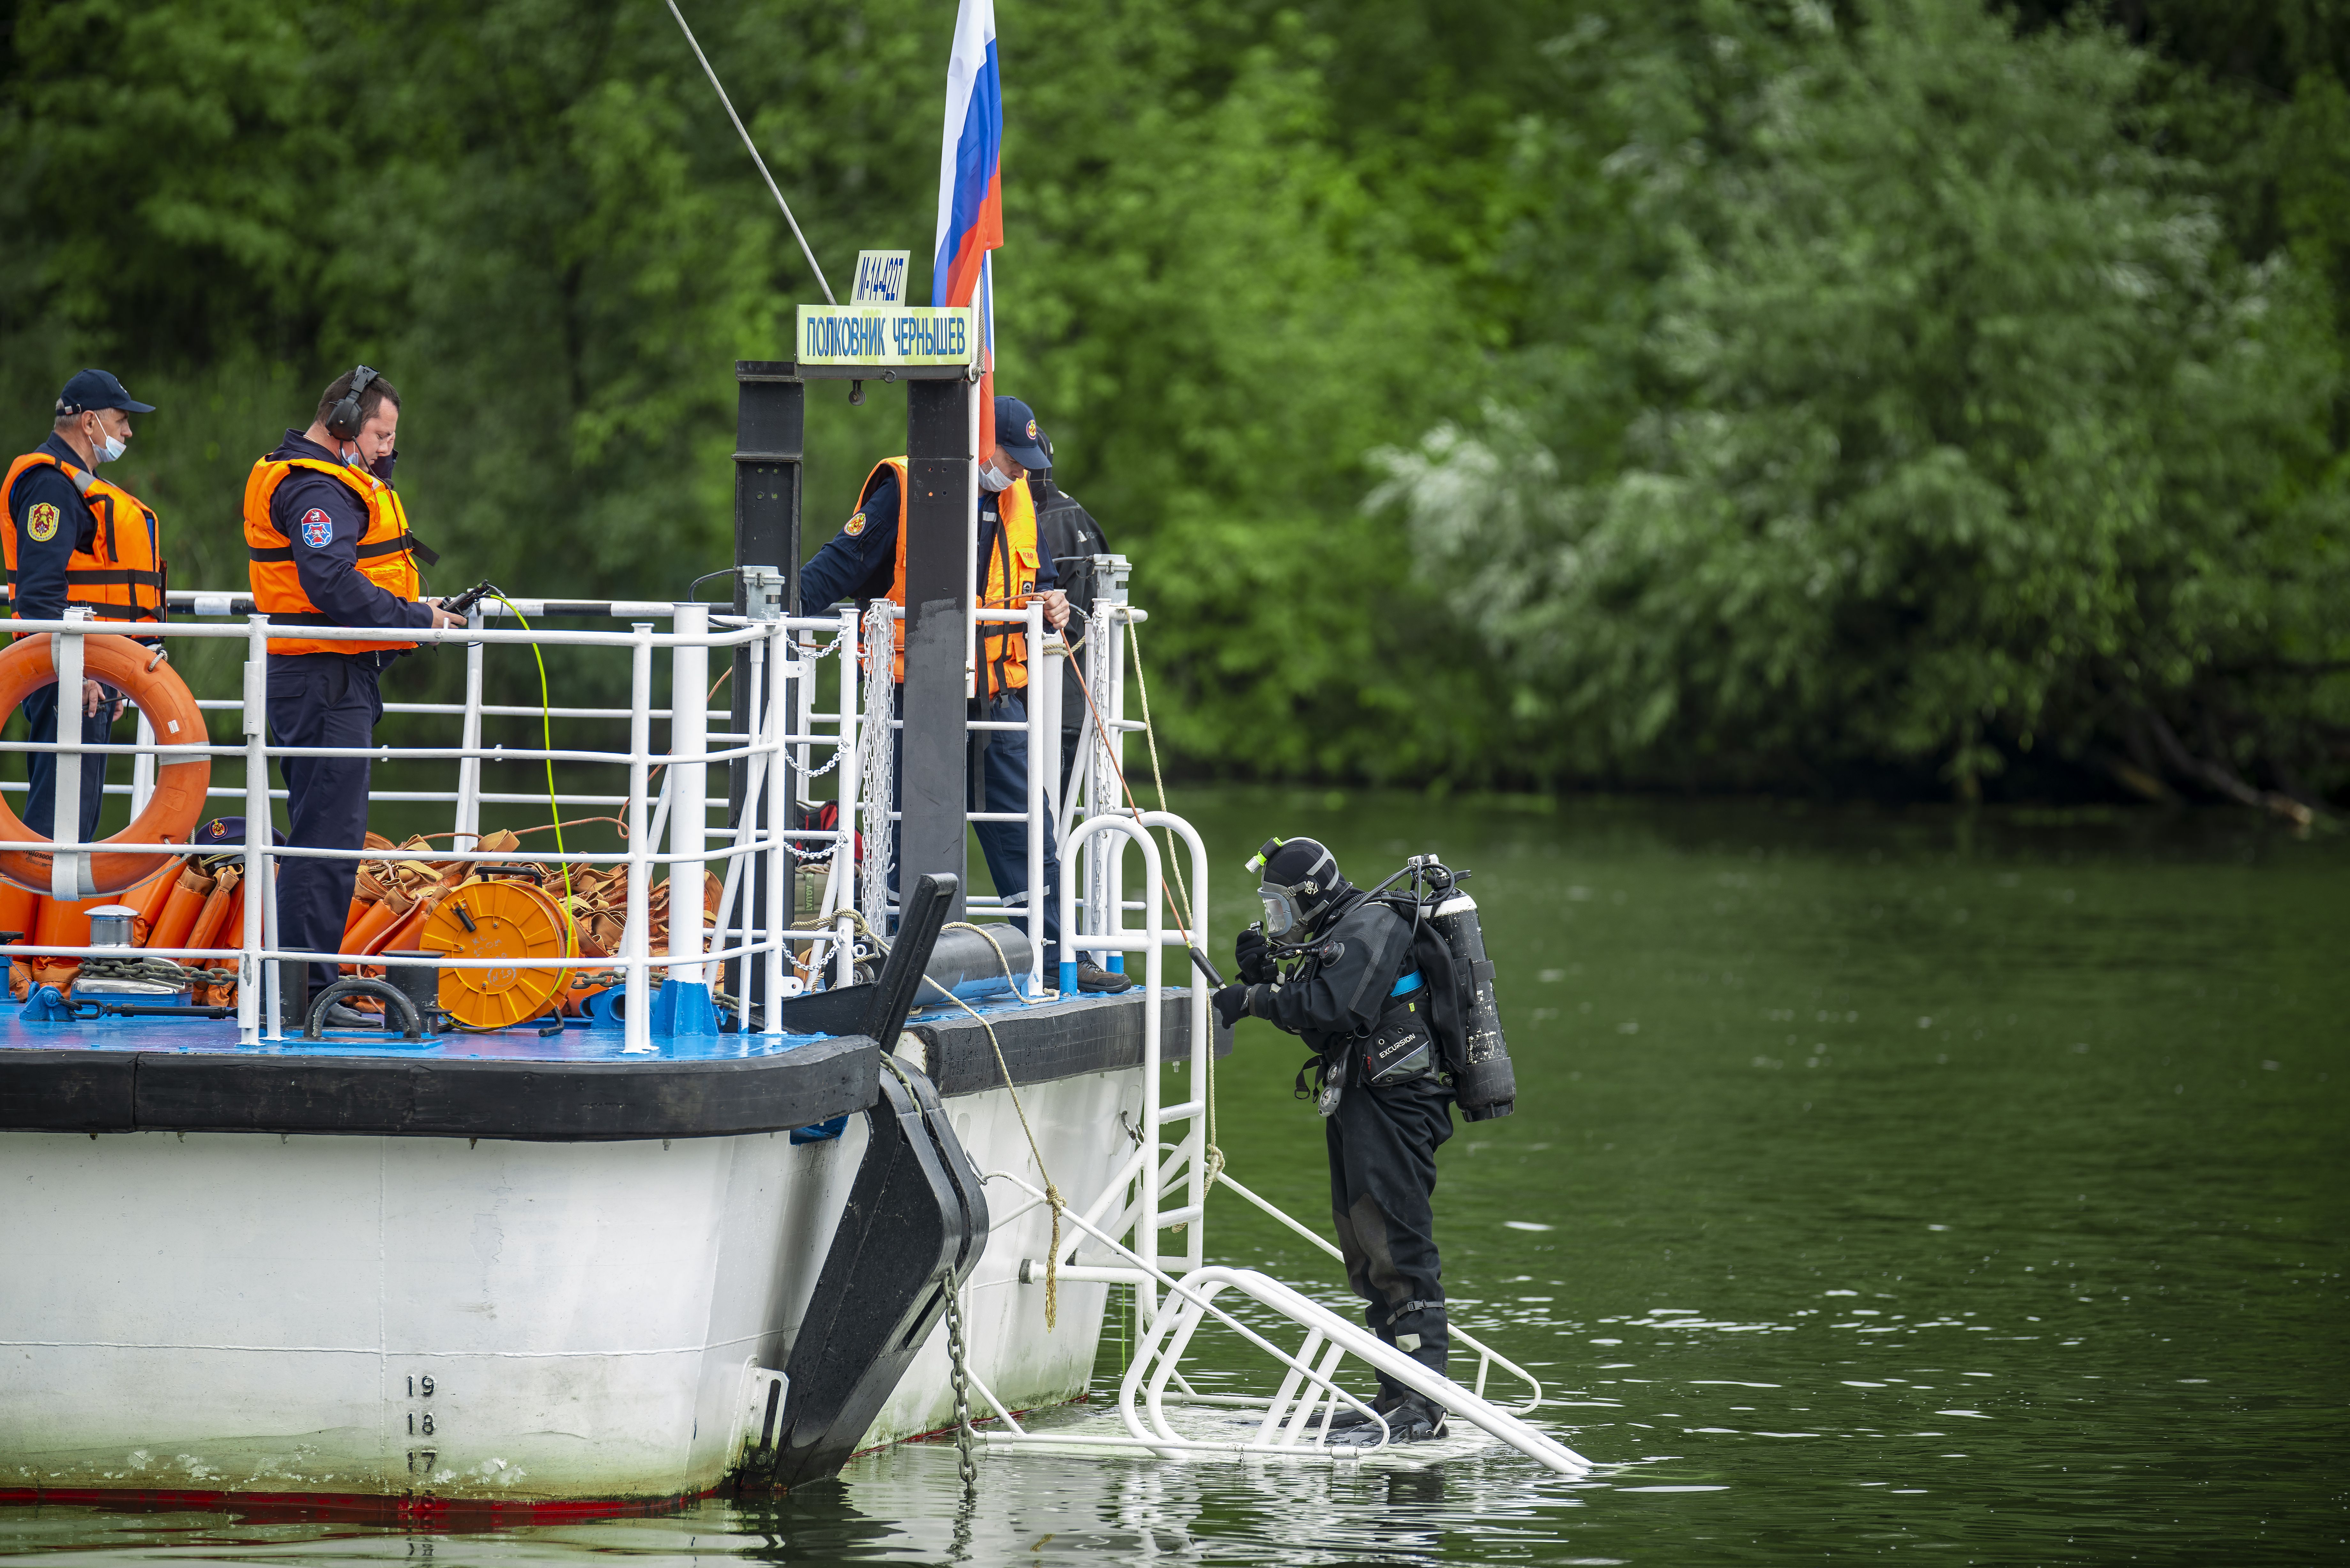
1482 1080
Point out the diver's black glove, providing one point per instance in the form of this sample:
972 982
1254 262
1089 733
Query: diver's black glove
1249 951
1231 1004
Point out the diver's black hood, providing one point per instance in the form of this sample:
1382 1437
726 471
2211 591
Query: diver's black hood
1307 874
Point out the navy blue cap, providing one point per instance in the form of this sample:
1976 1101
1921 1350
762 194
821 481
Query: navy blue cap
226 834
1017 433
96 389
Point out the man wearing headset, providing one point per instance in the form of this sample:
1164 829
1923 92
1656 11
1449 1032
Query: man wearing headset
327 544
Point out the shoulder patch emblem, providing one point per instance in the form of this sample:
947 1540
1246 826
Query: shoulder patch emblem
855 525
41 522
318 528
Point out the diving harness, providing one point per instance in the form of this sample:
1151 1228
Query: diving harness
1441 1015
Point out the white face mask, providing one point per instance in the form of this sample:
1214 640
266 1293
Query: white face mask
106 447
992 480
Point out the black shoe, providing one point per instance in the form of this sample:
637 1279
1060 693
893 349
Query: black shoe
338 1016
1410 1421
1092 977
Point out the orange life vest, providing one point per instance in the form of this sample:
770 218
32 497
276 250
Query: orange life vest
1010 579
120 576
384 552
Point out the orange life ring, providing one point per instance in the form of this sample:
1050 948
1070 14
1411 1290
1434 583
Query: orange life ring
178 803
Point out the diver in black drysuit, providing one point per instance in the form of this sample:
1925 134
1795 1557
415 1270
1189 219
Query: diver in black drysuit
1353 995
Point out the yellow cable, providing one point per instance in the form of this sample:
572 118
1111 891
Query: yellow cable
546 743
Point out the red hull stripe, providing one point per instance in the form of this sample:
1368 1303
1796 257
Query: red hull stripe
358 1507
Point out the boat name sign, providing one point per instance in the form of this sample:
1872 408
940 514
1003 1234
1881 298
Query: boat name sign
886 335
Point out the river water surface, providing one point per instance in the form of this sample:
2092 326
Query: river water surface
1964 1185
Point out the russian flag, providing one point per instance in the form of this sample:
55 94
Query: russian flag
970 190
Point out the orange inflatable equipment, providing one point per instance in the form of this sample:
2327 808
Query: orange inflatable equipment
515 920
222 916
178 803
20 911
149 898
177 918
60 925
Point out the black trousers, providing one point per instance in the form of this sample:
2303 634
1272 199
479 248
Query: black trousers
998 775
41 767
1383 1146
321 700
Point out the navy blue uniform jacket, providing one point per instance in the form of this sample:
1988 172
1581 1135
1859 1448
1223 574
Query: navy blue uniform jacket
330 572
41 565
859 565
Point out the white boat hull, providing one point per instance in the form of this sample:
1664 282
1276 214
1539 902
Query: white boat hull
256 1313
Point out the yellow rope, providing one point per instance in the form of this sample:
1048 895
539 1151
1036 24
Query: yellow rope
546 743
1052 1193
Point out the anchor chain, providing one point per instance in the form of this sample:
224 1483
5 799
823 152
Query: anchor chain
966 1441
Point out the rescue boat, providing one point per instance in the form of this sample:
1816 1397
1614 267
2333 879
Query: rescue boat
666 1162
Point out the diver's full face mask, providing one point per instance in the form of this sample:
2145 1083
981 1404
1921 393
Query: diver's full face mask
1287 908
1280 912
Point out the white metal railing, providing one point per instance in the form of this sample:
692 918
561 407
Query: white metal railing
786 648
1096 785
784 653
1145 1177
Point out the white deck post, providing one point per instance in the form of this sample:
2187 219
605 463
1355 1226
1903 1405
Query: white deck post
68 869
249 987
1102 909
469 766
273 976
638 1034
689 796
747 877
1040 822
1153 940
781 878
1203 1038
1113 786
1047 679
851 772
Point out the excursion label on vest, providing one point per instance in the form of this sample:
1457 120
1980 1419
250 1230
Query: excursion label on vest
886 335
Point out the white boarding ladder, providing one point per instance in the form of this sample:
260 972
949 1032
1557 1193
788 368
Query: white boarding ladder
1296 1417
1171 1154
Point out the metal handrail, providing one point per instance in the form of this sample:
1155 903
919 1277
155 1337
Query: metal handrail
777 653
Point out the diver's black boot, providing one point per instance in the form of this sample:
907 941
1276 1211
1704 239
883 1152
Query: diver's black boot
1348 1416
1413 1420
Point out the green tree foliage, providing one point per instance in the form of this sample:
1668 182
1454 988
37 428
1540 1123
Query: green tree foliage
1878 385
1962 429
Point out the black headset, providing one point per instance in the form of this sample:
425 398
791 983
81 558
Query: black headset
343 418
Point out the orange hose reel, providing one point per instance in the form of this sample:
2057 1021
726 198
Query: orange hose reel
501 918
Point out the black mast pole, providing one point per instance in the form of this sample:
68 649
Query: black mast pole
939 516
770 423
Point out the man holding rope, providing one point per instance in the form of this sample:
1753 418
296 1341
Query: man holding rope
867 560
